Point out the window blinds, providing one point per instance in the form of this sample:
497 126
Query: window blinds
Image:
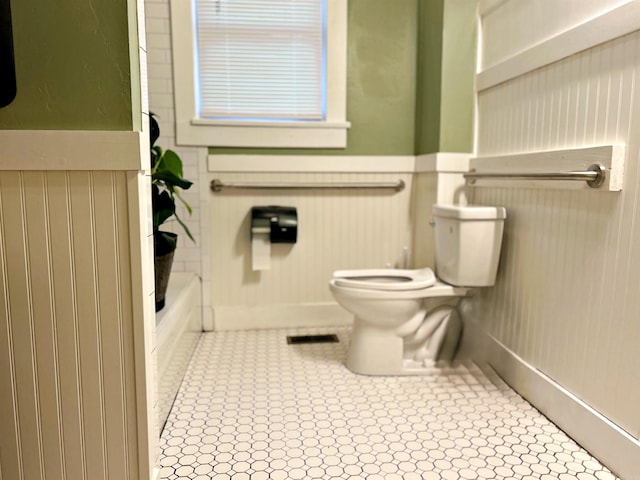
261 59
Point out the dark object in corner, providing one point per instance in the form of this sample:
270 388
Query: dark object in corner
7 63
163 260
300 339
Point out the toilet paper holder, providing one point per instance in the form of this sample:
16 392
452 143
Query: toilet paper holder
280 222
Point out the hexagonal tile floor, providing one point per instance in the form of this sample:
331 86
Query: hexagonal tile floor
253 407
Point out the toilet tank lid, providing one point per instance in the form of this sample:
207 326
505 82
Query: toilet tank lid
470 212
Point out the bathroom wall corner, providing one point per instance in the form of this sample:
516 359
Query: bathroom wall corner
617 449
208 319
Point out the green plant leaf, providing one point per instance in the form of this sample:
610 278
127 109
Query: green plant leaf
186 229
170 179
171 161
166 180
184 202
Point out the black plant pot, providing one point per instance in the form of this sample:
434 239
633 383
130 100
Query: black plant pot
163 260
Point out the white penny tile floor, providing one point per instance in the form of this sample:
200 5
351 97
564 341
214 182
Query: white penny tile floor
253 407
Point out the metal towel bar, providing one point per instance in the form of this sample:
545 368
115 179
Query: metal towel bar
595 175
217 185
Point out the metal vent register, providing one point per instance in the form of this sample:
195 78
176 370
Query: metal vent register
302 339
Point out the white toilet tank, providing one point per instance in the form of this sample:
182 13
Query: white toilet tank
468 241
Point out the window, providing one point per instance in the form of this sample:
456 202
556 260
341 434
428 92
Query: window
260 73
257 63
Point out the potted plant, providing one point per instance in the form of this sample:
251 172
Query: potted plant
166 182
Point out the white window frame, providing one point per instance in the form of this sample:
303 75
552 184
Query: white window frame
191 130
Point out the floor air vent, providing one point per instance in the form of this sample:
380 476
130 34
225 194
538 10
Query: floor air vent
302 339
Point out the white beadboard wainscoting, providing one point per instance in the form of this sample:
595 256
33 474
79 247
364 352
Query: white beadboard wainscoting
338 229
567 296
77 389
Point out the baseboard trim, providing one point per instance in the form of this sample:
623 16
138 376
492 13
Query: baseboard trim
155 474
280 316
614 447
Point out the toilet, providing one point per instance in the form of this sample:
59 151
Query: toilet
406 320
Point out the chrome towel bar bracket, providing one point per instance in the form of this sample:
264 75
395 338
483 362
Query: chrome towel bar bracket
595 175
217 185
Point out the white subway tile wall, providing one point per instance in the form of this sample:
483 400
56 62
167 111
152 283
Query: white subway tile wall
188 257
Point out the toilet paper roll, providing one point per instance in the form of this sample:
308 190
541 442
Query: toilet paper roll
260 251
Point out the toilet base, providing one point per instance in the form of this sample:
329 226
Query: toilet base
383 351
374 351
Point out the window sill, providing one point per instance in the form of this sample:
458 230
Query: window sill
197 132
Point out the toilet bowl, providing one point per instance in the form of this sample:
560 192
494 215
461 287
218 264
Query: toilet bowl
406 320
389 310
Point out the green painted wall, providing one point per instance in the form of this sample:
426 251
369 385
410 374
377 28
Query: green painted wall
446 69
72 66
429 75
382 76
411 66
381 81
458 73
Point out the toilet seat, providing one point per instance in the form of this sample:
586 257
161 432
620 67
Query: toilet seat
385 279
438 289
